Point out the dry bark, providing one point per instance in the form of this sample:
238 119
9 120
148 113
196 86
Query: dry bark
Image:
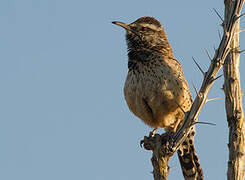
158 144
233 104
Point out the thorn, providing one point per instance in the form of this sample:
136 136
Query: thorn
219 35
223 87
180 107
237 50
213 99
218 15
213 124
241 30
241 51
203 73
170 167
196 90
217 77
208 54
240 16
214 48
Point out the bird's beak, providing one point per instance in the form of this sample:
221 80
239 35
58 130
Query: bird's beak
124 25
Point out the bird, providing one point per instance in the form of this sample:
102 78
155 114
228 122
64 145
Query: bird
156 89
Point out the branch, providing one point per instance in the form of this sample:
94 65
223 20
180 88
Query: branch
157 144
233 104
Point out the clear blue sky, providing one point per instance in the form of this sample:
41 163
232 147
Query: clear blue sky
62 70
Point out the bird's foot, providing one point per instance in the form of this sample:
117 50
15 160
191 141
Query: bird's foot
153 132
149 142
154 141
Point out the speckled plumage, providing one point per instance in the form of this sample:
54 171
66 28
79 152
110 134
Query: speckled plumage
155 86
153 90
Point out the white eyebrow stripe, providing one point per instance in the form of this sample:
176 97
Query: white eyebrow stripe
151 26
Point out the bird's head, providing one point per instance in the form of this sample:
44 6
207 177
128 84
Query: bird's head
145 33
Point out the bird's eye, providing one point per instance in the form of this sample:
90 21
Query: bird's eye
142 28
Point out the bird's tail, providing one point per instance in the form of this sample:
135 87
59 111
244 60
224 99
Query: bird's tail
189 161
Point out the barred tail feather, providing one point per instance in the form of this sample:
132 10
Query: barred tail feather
189 161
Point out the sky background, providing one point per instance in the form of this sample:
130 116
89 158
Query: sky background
62 70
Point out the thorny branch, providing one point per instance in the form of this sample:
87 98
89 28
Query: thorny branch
170 145
210 76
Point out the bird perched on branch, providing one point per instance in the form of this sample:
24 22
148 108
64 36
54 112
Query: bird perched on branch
156 88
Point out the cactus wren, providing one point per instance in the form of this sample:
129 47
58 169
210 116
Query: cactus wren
156 85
